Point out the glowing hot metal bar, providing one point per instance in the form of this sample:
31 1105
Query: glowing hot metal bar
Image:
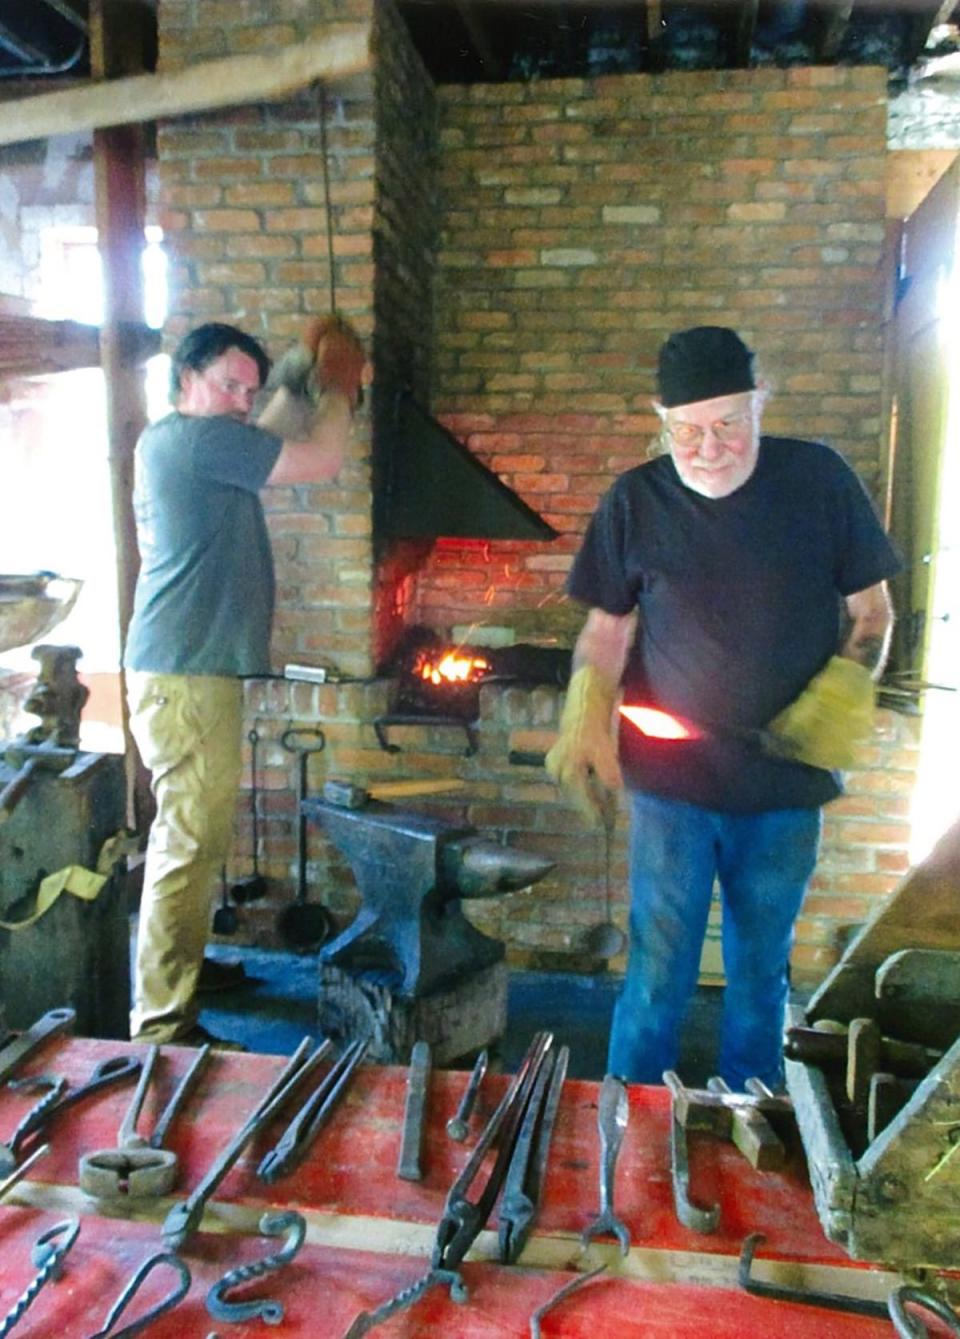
658 724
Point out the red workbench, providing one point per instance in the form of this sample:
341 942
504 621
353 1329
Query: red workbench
369 1234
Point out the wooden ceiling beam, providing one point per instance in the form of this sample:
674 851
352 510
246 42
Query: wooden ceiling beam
836 18
746 27
227 82
31 346
652 11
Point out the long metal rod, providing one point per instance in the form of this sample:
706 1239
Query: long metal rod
858 1306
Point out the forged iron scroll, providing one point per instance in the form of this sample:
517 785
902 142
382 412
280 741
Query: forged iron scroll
265 1309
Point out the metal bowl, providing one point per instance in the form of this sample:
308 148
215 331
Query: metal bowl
32 604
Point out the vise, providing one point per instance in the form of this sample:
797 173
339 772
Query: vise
412 870
57 698
873 1068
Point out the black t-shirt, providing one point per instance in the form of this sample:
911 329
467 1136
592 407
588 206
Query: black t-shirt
740 604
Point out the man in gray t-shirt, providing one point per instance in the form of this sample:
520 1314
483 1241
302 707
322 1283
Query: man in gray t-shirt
202 614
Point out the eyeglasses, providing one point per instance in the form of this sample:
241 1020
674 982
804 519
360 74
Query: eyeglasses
691 435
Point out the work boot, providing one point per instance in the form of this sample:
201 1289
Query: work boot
216 976
199 1036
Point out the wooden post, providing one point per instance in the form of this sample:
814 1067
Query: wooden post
118 155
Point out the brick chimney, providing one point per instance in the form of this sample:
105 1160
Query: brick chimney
249 229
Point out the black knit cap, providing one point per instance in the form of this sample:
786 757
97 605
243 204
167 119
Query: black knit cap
702 363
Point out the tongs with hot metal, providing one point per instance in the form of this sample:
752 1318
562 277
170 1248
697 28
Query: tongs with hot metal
463 1219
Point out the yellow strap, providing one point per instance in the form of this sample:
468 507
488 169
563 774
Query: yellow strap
75 879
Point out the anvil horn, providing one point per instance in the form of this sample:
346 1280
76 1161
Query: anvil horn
475 867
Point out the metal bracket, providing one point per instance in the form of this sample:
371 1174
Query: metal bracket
381 724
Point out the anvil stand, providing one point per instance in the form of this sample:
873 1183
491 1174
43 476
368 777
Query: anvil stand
59 805
410 966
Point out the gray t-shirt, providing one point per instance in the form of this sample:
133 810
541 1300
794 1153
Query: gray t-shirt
204 597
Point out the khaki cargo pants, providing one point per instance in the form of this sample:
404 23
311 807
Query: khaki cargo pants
188 730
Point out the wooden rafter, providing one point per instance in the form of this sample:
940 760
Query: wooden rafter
653 17
746 27
228 82
32 347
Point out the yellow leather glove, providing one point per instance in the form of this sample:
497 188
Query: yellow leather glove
585 748
822 725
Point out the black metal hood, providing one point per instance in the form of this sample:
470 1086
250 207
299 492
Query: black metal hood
433 487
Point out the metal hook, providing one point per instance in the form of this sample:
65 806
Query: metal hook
290 736
132 1288
46 1256
912 1327
561 1295
267 1310
369 1320
858 1306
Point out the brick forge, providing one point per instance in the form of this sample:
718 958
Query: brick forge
516 253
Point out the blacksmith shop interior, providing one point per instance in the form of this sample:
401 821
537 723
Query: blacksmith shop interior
397 1038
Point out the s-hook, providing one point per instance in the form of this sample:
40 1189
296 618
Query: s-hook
265 1309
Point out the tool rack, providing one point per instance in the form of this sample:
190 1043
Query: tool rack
369 1234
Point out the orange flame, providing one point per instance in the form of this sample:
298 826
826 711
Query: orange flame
452 668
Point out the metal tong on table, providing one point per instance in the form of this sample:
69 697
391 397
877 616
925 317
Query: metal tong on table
139 1166
463 1218
613 1112
294 1144
185 1217
57 1100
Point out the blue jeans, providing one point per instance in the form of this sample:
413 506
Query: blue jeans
763 863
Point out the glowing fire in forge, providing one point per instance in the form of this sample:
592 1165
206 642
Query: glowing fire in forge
451 668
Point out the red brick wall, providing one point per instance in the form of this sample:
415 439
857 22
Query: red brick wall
244 212
585 220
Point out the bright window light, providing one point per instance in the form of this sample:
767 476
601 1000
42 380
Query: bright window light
72 275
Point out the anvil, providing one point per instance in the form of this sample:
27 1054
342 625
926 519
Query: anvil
412 870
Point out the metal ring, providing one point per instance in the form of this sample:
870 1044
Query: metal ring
912 1327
